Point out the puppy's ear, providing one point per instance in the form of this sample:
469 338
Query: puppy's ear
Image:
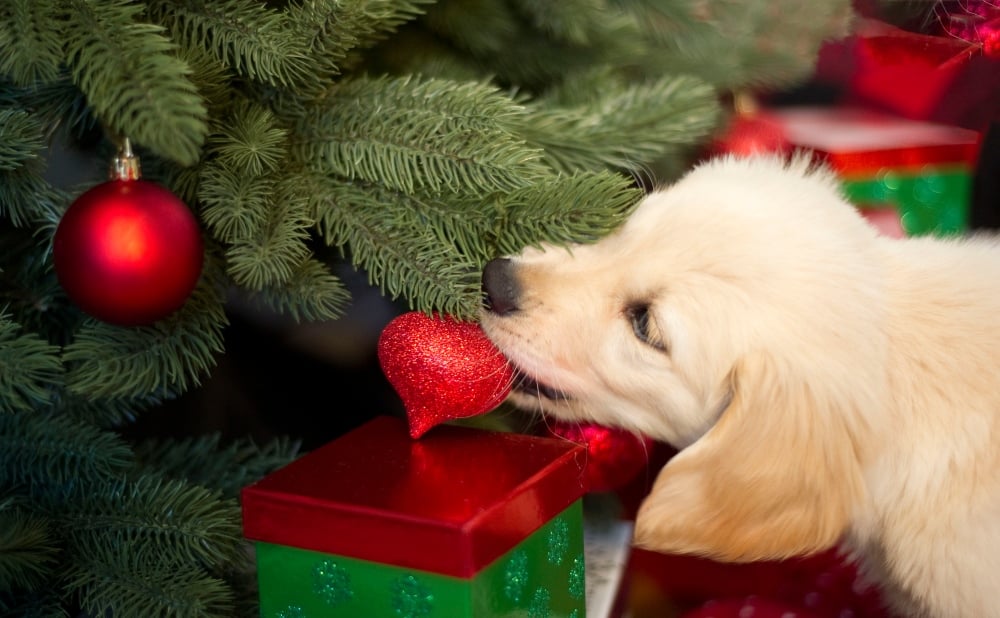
777 476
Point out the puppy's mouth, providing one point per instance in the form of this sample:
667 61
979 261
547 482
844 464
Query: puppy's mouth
528 385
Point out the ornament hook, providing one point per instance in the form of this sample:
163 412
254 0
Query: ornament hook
125 165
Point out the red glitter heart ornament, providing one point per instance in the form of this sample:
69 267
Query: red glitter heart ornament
442 368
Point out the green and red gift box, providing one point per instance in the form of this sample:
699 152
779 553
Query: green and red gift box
922 170
463 522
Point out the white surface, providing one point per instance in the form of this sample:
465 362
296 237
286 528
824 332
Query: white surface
606 548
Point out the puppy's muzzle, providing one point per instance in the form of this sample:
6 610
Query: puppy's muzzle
501 291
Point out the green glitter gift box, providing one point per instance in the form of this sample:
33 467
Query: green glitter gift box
921 170
463 522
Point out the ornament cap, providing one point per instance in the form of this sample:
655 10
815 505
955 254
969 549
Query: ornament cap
125 165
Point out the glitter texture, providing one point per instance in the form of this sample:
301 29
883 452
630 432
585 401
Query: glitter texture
540 604
411 598
292 611
515 576
558 541
332 582
442 369
578 578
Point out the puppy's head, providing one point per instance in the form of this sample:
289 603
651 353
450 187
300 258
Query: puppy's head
735 315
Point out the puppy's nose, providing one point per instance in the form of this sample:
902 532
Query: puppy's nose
500 289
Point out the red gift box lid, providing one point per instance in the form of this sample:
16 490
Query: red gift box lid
449 503
861 141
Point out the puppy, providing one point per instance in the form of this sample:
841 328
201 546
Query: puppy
826 385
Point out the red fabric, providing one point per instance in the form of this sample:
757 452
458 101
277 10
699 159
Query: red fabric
449 503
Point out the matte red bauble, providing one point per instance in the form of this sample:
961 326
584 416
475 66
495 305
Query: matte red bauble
443 369
128 252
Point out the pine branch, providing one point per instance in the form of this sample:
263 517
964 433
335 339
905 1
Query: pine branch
29 368
133 80
569 209
205 461
235 207
26 198
412 133
624 129
56 104
157 523
271 256
247 37
27 550
334 28
311 293
117 585
163 359
30 41
387 238
577 22
51 453
735 44
252 141
21 139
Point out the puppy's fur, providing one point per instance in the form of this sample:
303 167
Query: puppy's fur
825 384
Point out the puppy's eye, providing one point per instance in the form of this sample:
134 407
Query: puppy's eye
643 326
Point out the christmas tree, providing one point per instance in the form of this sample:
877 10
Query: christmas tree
414 139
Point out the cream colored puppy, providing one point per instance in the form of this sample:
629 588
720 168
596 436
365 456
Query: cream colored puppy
825 384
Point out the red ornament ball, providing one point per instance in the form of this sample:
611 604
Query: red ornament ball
750 134
614 456
443 369
128 252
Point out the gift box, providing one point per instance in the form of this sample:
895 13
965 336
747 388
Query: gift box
922 170
463 522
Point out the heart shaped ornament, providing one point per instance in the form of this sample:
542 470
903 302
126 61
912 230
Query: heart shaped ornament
442 369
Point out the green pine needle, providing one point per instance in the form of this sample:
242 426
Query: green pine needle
205 461
311 293
410 133
20 138
569 209
235 207
133 80
51 453
626 128
251 142
28 551
29 368
168 357
156 523
120 586
30 41
247 37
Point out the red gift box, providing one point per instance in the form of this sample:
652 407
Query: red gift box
449 503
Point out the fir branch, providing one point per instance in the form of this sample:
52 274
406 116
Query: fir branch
410 133
27 198
36 604
251 142
27 550
577 22
132 79
625 129
246 36
569 209
235 207
30 41
21 138
397 249
56 104
332 28
106 413
53 452
29 368
163 359
205 461
311 293
734 44
158 523
270 257
117 585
